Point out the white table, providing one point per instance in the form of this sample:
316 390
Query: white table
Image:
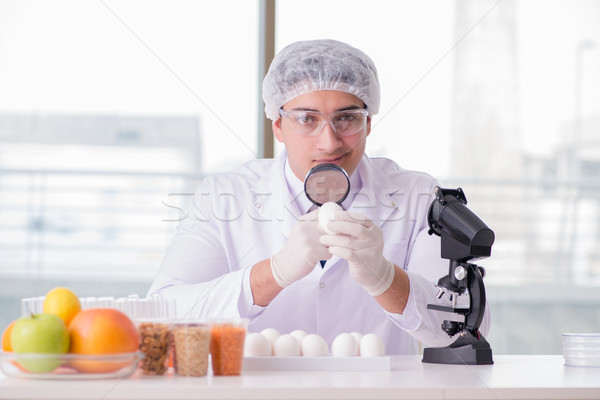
511 377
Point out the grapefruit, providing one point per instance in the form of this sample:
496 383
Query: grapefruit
102 331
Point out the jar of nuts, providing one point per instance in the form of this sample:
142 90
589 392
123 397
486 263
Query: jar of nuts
155 342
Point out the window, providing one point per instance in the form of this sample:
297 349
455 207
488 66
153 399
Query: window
503 101
110 113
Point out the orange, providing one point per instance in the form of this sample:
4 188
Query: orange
6 345
63 303
101 331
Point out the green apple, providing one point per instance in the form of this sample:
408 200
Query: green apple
40 333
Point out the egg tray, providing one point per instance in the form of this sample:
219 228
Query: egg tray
325 363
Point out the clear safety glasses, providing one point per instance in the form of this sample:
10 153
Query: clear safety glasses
311 123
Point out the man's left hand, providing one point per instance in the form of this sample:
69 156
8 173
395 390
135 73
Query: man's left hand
359 241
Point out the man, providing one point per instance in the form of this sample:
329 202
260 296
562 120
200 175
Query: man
251 245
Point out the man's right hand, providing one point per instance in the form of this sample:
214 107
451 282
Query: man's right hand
301 252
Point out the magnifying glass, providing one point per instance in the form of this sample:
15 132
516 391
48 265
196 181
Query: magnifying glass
326 183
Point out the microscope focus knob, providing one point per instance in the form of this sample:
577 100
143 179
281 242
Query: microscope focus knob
481 271
460 273
452 327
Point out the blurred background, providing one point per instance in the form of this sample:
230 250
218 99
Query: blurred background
112 111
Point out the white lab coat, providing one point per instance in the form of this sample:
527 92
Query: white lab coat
238 219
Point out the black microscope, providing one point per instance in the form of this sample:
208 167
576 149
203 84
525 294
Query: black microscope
464 237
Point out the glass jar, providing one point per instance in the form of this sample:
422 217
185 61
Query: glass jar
191 344
227 346
155 342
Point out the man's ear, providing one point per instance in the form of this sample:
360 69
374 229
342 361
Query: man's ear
368 125
277 130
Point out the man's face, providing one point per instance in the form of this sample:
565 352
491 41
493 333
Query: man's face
304 152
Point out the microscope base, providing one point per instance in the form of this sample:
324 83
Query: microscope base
465 350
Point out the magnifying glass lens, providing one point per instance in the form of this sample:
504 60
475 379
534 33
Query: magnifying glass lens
326 183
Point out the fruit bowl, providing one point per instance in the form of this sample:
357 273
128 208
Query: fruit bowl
68 366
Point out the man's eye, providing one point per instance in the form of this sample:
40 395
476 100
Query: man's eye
347 117
305 119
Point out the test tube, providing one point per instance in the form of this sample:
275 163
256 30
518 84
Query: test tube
171 308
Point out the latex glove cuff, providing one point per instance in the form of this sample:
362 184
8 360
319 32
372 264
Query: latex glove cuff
384 280
281 281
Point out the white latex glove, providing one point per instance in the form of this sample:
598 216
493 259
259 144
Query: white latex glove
357 239
301 252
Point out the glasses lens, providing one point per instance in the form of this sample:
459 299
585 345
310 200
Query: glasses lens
304 122
349 122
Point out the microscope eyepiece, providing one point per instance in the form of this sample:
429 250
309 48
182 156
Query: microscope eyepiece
464 235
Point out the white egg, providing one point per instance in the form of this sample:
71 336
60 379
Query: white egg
257 345
328 213
371 346
299 334
286 346
357 336
314 345
272 335
344 345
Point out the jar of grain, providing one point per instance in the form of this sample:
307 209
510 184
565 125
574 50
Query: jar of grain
227 346
191 343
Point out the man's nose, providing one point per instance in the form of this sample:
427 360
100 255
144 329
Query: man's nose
328 140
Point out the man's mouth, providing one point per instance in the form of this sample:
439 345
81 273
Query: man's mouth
332 160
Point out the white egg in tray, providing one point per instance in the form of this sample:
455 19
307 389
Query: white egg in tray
300 351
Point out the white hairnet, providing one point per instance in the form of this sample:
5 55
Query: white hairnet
308 66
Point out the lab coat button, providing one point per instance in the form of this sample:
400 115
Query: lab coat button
322 285
257 205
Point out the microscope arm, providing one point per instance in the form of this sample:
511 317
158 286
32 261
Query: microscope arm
476 299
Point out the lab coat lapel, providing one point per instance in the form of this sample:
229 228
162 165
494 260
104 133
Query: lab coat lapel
273 201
